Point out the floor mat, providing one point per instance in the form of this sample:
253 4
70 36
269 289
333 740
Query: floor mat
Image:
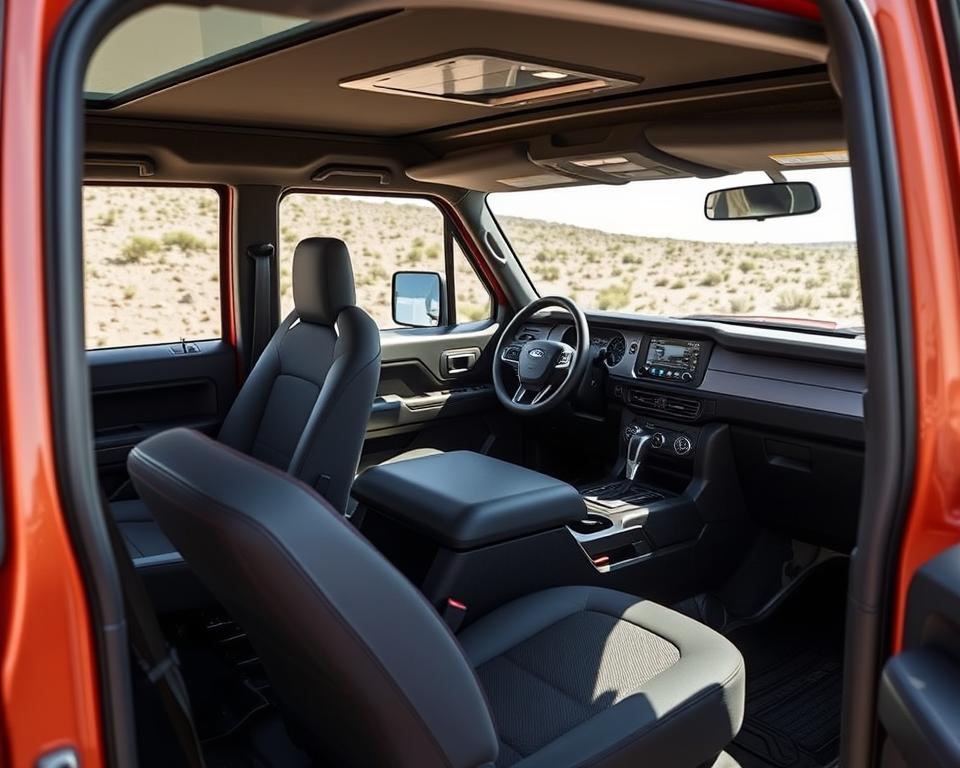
794 676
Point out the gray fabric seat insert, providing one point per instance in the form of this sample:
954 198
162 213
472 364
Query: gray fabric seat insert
614 660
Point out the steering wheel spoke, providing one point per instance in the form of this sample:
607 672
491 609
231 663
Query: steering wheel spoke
542 395
511 355
566 359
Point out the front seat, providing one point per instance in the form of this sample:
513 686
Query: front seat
366 672
305 406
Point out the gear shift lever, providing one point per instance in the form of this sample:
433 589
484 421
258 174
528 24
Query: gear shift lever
637 448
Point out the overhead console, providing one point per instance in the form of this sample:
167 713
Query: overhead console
615 155
606 155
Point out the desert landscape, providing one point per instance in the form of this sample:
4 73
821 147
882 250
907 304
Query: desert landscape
151 265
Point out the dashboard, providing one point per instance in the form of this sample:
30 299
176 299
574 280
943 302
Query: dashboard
789 404
698 370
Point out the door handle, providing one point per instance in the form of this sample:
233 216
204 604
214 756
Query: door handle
455 362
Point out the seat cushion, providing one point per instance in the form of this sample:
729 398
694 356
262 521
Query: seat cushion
581 676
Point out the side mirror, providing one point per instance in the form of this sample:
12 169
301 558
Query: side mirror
762 201
418 299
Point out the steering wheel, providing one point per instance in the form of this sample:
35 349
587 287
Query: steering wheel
549 371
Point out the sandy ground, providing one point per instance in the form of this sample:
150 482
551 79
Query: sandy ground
152 273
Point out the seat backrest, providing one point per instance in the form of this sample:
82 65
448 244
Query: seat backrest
366 672
305 406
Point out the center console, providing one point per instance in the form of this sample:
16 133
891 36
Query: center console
469 528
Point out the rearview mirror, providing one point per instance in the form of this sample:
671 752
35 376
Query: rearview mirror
418 299
762 201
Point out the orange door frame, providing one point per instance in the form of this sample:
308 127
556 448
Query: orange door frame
48 676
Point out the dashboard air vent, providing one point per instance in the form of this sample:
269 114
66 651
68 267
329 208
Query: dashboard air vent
677 407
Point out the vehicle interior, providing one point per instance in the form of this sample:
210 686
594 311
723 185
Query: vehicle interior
480 384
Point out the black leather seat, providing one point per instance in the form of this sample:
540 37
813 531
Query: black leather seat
367 673
305 406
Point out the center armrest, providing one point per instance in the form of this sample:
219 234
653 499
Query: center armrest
465 500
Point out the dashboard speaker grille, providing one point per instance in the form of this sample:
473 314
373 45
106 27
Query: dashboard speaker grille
677 407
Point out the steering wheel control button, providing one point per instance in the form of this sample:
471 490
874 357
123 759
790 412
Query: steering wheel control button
682 445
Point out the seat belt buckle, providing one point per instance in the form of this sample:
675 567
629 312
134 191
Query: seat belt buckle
453 614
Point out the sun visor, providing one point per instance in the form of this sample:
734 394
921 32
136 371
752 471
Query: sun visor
496 169
771 144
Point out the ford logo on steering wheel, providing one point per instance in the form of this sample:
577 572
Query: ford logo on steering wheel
536 353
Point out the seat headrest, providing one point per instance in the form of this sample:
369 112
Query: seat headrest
322 280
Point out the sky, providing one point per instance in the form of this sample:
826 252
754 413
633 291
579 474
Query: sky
674 208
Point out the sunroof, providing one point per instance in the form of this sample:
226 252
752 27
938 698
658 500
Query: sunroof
494 81
173 42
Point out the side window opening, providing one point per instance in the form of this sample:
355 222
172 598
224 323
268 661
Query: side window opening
151 264
385 235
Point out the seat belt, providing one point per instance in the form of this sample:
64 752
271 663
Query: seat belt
262 255
156 658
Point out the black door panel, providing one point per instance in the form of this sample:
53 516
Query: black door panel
919 698
139 391
436 392
434 347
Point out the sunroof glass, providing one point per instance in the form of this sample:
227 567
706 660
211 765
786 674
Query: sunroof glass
171 40
489 80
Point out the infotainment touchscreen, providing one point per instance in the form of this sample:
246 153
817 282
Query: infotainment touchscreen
671 359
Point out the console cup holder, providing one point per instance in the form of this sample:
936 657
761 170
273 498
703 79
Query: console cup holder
593 523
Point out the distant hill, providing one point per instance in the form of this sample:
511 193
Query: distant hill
152 272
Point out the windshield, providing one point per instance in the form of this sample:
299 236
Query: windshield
647 248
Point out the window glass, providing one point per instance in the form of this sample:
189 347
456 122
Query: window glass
384 235
170 40
646 247
151 264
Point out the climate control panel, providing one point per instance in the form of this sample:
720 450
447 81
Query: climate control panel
671 441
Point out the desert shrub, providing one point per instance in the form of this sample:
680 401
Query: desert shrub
711 279
747 266
108 219
137 248
614 296
794 299
740 305
661 282
185 241
677 285
471 312
549 273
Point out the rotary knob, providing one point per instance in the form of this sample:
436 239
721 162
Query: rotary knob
631 430
682 445
658 440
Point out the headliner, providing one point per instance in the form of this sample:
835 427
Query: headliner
298 87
